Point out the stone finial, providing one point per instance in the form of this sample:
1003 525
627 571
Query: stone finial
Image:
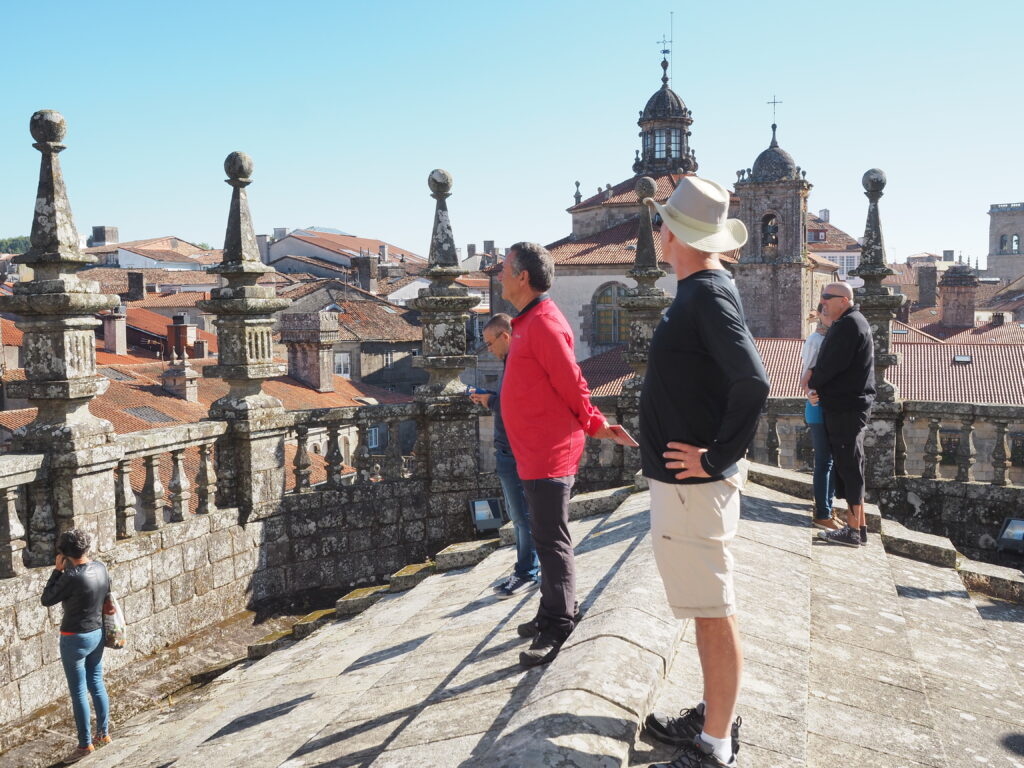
58 310
578 196
442 242
646 258
877 302
245 310
444 305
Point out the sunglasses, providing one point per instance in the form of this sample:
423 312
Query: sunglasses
827 296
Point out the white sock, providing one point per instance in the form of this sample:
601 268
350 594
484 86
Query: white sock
722 747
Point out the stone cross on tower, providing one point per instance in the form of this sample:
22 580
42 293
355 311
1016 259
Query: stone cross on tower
774 102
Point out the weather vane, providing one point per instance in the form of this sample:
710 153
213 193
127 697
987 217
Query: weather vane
774 102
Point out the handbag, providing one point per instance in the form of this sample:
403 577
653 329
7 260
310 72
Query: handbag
115 634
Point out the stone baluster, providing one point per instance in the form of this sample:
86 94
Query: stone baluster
335 458
932 449
249 467
1000 453
179 486
12 536
302 461
124 498
361 458
393 469
773 442
965 455
206 481
57 312
152 495
901 447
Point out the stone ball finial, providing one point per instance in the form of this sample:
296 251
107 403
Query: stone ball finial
238 166
440 182
874 181
48 125
645 187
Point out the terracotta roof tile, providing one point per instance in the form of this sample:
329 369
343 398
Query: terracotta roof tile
115 279
624 193
155 324
929 320
835 238
11 336
183 299
160 254
373 321
615 245
350 245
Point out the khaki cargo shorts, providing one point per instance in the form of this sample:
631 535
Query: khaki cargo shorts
691 528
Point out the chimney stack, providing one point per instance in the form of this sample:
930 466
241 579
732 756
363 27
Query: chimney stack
263 244
948 256
104 236
927 285
280 232
823 214
958 291
998 318
136 286
383 252
367 269
180 335
180 379
489 247
309 339
115 338
200 349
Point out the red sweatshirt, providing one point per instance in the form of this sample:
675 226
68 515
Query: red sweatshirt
545 402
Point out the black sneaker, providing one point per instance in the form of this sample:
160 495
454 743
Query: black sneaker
543 649
515 586
683 729
863 534
846 536
696 754
503 583
534 626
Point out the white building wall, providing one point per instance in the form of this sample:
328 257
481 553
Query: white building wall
131 260
291 246
406 292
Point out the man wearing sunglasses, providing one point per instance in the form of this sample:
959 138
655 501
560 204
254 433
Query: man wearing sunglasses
843 381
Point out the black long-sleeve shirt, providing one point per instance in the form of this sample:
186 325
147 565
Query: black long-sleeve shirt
82 589
844 373
705 382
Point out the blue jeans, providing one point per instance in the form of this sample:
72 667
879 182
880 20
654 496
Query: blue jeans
527 564
824 473
82 656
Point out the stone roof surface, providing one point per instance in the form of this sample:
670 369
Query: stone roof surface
929 320
115 279
774 164
624 193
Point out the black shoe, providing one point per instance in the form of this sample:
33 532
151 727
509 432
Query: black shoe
542 650
863 534
846 536
533 627
683 729
696 754
515 586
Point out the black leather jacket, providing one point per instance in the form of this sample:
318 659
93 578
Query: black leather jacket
82 589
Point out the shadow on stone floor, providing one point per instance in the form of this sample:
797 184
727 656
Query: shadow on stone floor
554 727
919 593
1014 742
1000 611
250 719
386 654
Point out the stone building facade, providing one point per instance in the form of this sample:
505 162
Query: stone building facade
1006 241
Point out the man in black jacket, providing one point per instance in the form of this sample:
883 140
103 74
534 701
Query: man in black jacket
843 380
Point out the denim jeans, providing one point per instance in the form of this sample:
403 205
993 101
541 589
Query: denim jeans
527 564
824 473
82 656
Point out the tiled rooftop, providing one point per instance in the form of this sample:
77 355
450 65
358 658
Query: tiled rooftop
835 238
115 279
156 324
182 299
929 320
624 193
350 245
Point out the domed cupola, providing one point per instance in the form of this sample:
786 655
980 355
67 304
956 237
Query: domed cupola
665 133
774 164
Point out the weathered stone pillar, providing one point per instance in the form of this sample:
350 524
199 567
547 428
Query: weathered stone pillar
57 313
878 304
644 306
449 418
250 457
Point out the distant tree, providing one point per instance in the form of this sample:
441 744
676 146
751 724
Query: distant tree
14 244
205 246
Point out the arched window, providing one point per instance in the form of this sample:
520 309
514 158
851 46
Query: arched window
769 233
673 147
607 314
1002 244
1015 244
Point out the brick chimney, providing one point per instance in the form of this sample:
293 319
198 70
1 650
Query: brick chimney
115 339
367 270
309 339
998 318
958 291
927 285
180 379
180 335
200 349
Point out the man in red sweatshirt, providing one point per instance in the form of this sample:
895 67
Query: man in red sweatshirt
547 413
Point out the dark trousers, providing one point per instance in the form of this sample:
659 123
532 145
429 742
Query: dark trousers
846 437
548 501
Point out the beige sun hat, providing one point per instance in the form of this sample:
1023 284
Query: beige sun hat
697 213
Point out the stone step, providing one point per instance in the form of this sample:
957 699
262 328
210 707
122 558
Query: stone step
926 547
431 676
464 554
410 576
995 581
801 485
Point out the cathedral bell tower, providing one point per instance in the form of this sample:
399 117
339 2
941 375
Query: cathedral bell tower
774 276
665 134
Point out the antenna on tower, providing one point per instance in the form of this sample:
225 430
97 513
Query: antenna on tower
671 36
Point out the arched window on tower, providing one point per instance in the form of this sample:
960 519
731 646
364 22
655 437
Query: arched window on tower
659 143
608 313
647 142
673 146
769 234
1002 243
1015 244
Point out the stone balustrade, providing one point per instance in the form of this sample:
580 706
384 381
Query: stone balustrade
16 472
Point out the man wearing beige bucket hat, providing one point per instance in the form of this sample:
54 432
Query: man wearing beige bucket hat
702 396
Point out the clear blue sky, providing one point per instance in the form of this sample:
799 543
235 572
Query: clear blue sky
347 106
